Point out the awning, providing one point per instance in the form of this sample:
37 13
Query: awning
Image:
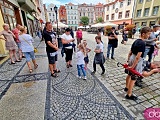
14 2
30 16
27 5
120 22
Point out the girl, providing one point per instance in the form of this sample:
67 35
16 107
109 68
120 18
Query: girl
80 61
86 59
99 57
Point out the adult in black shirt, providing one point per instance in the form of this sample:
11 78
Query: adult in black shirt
51 48
112 42
135 61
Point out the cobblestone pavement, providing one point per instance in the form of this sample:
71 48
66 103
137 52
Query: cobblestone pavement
71 98
114 79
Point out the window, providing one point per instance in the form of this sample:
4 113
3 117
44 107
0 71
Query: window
71 17
75 22
113 7
50 20
71 7
107 17
121 4
107 8
120 15
129 2
68 12
88 14
80 14
68 17
155 10
51 9
127 14
146 11
75 17
53 14
148 0
68 22
84 14
140 1
139 13
144 23
72 22
49 14
112 17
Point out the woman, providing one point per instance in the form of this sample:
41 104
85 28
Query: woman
27 48
10 43
79 36
67 42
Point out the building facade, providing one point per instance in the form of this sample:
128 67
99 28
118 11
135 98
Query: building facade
45 12
72 15
99 11
147 13
86 10
119 12
62 14
51 13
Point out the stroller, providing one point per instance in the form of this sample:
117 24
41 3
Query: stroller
134 72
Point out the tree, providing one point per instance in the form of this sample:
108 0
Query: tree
99 20
85 20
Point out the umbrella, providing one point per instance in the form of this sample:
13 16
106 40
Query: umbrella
81 27
98 25
60 25
109 24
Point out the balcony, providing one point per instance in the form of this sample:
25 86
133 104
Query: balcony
27 5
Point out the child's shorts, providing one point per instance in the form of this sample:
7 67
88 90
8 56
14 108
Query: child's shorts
86 59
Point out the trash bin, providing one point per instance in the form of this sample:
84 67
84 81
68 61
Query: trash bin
59 42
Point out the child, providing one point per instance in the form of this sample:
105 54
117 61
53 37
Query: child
99 57
80 61
135 61
155 53
86 59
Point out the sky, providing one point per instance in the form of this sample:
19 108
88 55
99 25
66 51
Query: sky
63 2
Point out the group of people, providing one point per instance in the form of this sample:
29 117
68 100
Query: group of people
18 39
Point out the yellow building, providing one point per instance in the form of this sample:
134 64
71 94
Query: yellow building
147 12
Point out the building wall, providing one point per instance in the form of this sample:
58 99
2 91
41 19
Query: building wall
86 10
51 13
99 11
62 14
45 12
149 20
117 9
72 15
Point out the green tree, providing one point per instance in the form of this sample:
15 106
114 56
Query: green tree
99 20
85 20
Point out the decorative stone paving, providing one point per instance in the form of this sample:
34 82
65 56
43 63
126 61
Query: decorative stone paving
72 98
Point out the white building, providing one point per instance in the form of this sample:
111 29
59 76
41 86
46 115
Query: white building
119 12
72 15
51 13
42 15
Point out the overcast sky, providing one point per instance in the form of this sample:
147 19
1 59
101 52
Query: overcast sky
63 2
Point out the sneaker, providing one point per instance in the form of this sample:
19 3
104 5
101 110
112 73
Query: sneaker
138 84
125 89
102 72
79 77
132 97
70 65
67 66
112 58
92 73
85 78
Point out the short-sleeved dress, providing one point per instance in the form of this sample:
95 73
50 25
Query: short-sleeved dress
10 43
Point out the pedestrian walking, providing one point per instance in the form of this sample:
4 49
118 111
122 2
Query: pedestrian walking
135 61
67 42
10 43
80 55
51 48
99 56
16 32
112 42
79 36
39 33
150 43
27 48
86 58
124 36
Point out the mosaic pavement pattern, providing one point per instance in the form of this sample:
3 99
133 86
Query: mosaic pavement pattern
70 98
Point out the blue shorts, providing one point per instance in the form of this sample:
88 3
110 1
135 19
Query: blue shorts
29 56
19 45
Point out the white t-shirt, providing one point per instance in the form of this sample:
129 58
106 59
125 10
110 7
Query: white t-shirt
80 58
99 46
67 37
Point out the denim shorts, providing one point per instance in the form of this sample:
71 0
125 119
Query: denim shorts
19 45
29 56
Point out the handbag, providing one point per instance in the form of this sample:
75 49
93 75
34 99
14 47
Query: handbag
34 48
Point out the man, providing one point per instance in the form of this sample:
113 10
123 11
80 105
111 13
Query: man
16 32
135 60
112 42
51 48
150 42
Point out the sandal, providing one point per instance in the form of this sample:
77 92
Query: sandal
13 63
54 75
18 61
57 71
35 67
30 70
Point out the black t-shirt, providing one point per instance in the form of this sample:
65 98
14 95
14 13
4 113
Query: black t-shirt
112 41
138 46
49 36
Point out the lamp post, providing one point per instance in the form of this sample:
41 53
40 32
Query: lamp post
59 39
